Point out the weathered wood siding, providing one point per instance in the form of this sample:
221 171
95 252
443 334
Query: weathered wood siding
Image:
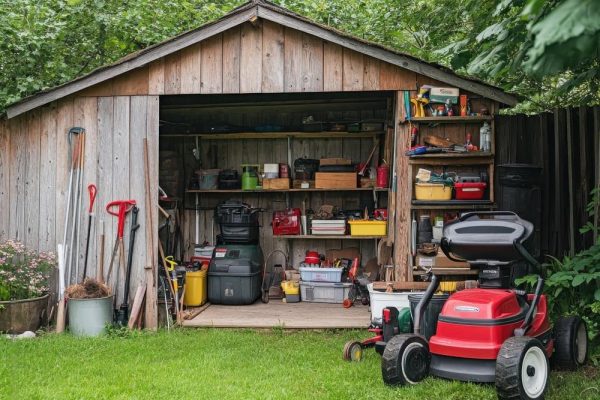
260 58
34 165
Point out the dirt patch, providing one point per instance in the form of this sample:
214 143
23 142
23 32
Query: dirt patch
89 289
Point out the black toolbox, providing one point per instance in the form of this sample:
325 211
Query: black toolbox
238 222
235 274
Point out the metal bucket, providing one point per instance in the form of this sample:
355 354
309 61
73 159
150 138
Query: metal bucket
89 317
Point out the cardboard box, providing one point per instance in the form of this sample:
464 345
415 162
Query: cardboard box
336 180
439 261
335 161
275 183
297 184
443 94
350 253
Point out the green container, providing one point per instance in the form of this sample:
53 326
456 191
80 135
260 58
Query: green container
249 176
89 317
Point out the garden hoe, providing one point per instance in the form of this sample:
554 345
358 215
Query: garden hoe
92 192
123 313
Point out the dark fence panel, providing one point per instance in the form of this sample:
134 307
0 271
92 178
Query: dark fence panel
566 145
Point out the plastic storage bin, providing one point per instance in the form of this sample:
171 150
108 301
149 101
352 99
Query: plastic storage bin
195 288
323 292
368 228
381 300
235 275
432 191
432 312
311 274
469 190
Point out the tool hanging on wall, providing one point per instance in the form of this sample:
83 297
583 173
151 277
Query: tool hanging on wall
76 226
100 272
92 193
123 313
122 208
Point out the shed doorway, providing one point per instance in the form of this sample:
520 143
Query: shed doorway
201 135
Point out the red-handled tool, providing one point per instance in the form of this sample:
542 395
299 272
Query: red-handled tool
92 192
118 208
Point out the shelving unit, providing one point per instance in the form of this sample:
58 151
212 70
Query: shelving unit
317 237
218 191
278 135
454 128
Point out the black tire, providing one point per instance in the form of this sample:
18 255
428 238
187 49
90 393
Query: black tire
365 301
522 369
353 351
405 360
570 343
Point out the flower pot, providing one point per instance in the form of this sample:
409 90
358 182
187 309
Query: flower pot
18 316
89 317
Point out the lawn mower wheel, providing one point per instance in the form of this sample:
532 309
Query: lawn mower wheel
353 351
570 343
405 360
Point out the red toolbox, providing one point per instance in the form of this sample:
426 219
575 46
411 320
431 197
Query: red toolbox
286 222
469 190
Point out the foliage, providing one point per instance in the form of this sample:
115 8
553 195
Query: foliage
573 283
225 364
24 273
544 50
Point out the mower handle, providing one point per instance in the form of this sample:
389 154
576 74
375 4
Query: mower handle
468 215
445 245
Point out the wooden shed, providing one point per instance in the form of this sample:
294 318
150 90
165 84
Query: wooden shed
260 66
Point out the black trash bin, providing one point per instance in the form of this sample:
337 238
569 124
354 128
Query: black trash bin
432 312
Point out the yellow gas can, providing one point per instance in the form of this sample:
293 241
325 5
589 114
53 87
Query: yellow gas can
195 288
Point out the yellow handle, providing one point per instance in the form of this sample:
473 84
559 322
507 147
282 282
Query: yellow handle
448 286
172 263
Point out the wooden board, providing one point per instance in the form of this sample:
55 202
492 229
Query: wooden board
251 58
212 65
231 60
332 67
371 74
32 187
4 178
312 64
172 72
156 77
47 178
272 57
353 74
105 173
339 180
293 61
191 58
301 315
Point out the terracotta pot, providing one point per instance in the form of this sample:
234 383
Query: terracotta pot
18 316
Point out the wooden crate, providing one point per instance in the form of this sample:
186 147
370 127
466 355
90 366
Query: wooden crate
298 184
336 180
275 183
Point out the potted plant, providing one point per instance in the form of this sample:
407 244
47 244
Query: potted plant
24 279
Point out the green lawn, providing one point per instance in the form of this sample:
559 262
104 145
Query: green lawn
223 364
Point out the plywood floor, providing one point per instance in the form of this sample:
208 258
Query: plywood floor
278 314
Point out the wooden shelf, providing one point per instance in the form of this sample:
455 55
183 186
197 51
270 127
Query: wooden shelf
453 205
473 158
278 135
217 191
342 237
449 271
447 120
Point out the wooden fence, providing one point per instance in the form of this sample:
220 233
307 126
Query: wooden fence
566 145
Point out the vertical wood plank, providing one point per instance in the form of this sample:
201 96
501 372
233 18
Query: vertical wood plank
251 58
292 75
272 57
64 122
4 179
353 65
190 69
231 60
312 64
392 77
403 198
156 77
32 184
333 65
90 123
18 170
120 181
212 65
48 159
371 74
152 132
173 73
105 174
137 185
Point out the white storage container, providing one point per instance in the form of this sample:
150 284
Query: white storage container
323 292
311 274
381 300
328 226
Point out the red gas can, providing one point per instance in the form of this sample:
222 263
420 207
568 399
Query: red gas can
286 222
383 173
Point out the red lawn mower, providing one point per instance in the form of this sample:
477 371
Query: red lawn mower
492 333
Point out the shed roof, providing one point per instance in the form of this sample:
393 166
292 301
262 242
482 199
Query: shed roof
250 11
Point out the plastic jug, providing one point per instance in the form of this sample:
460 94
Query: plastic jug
249 176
